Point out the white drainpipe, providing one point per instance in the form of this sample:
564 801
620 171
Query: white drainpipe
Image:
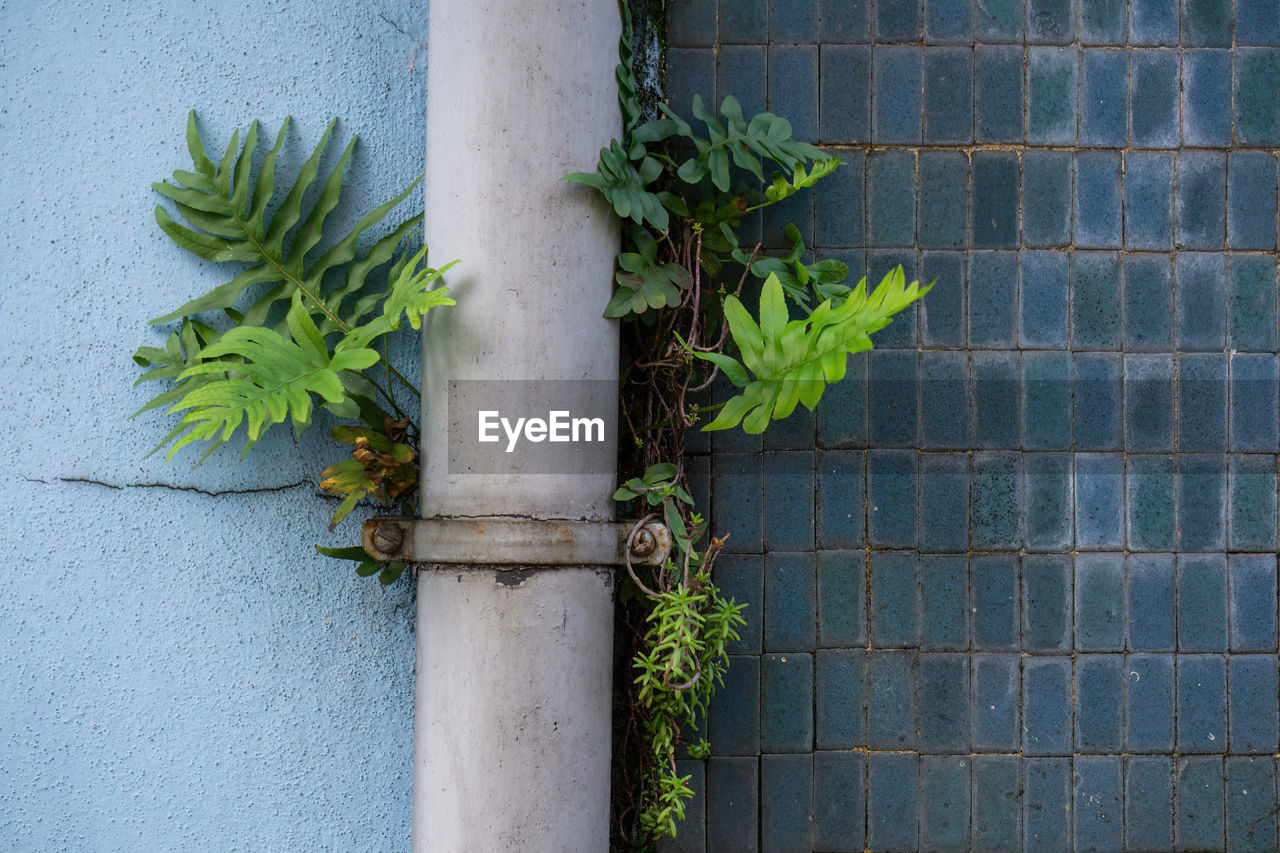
512 715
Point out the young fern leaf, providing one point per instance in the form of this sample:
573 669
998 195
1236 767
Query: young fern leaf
274 380
793 360
227 223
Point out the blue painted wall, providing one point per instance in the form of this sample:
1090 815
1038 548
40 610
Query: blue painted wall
180 671
1016 590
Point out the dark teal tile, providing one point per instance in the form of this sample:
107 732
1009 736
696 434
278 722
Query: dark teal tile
1202 402
995 199
733 721
844 107
944 502
793 88
948 21
891 194
1148 402
944 399
993 300
1097 200
744 21
786 702
944 803
693 827
1251 799
692 24
1255 379
1099 605
786 797
1253 717
892 391
842 609
944 602
692 72
1148 201
733 801
1099 486
996 496
891 705
838 819
943 315
1050 21
741 577
944 702
842 412
1251 200
1202 198
1049 512
1044 298
1202 603
1051 93
948 95
841 499
897 21
996 421
998 77
895 599
994 580
737 481
1046 198
1102 22
1201 502
1095 302
790 601
1258 22
1153 22
995 702
1098 809
898 76
1149 703
1000 20
1252 503
1206 23
841 698
997 803
1104 94
1048 804
788 514
1099 700
743 71
1150 496
1046 706
1151 597
798 210
1098 392
1251 303
892 477
1198 813
944 199
1154 99
892 801
1252 606
1206 115
842 20
1257 112
1148 302
901 331
1201 301
793 21
1148 803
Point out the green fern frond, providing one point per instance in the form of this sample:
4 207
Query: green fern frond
793 360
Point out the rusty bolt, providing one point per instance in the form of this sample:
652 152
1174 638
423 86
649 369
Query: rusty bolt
644 543
388 538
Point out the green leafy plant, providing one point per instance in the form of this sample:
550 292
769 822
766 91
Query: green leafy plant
303 326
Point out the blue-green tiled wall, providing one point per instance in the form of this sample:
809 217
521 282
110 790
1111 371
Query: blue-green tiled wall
1014 585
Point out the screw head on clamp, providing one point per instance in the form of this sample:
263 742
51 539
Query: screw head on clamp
644 543
388 538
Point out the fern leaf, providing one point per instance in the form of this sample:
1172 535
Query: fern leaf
793 361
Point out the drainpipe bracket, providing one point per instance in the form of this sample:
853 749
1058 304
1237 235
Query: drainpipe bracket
513 541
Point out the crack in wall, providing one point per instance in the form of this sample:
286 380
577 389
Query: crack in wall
169 486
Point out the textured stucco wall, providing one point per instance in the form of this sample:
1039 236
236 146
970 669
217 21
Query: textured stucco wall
178 669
